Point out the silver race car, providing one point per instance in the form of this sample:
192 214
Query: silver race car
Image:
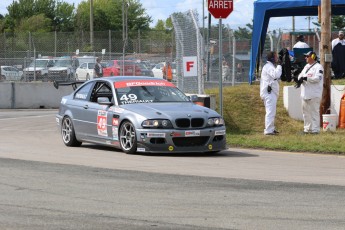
139 114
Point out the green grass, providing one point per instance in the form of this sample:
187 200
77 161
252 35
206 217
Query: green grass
244 115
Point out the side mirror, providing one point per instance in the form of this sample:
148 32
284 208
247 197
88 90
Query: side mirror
104 101
193 98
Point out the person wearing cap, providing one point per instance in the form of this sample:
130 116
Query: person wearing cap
300 42
339 39
311 79
269 91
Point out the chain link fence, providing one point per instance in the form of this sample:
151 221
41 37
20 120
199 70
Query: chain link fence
19 50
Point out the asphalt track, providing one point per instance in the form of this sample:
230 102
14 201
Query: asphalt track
46 185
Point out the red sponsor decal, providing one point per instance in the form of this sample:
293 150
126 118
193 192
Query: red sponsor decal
131 83
115 121
173 134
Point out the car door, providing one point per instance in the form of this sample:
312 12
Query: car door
90 70
82 71
79 107
98 118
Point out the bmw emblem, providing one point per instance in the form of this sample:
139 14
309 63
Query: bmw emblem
188 115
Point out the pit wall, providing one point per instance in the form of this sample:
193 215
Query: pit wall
293 102
31 95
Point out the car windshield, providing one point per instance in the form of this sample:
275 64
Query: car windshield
63 63
149 94
39 63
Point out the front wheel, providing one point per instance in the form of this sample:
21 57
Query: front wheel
68 133
128 139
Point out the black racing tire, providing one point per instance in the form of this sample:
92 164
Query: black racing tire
76 77
87 77
68 133
128 140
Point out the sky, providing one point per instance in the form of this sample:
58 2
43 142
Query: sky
242 14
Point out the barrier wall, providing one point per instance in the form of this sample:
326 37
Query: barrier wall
31 95
293 102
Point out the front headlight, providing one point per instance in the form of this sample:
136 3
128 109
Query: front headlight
215 121
157 124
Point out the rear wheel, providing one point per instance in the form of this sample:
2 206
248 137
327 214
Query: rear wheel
87 77
128 139
68 133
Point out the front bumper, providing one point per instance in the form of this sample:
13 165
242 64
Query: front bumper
183 141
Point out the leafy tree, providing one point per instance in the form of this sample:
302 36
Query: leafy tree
160 25
64 17
338 22
243 32
60 14
36 23
108 15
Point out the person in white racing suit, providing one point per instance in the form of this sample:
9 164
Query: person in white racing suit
269 91
300 42
311 78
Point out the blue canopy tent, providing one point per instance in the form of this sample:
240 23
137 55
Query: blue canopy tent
265 9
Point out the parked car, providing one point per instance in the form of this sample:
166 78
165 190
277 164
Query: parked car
114 68
64 69
38 69
85 71
11 73
158 70
139 114
145 71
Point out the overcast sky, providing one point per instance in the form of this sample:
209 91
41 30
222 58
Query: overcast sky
242 14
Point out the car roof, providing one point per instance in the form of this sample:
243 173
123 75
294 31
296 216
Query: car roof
125 78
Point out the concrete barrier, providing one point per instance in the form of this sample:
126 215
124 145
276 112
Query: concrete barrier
31 95
293 102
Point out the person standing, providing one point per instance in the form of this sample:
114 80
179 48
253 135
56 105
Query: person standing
338 53
311 79
98 68
300 42
167 72
269 91
339 39
225 71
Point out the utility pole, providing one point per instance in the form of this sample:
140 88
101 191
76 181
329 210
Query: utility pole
326 56
91 24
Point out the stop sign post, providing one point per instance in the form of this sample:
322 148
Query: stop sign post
220 9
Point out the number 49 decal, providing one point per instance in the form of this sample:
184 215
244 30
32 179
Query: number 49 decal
129 97
102 123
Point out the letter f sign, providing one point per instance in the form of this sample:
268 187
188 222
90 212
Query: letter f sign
190 64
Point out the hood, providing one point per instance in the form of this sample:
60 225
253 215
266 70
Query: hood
170 110
58 68
32 68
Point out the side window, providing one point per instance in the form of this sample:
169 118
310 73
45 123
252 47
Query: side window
101 89
83 66
83 92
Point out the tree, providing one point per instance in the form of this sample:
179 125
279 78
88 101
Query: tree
243 32
60 14
338 22
36 23
108 15
64 17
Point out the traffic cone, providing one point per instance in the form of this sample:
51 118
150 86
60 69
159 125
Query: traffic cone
342 113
